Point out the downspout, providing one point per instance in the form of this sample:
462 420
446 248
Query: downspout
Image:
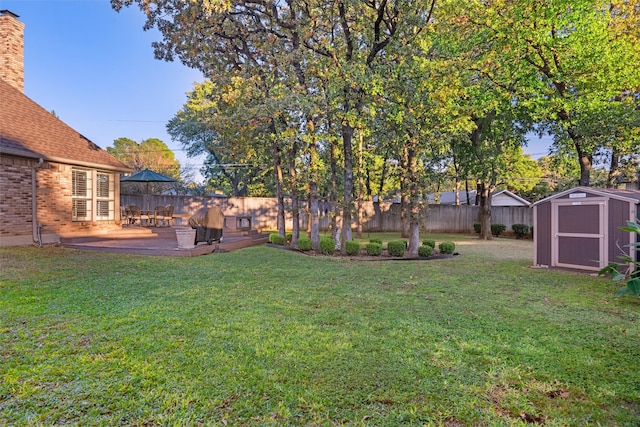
36 227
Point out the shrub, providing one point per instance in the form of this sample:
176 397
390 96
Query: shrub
429 242
396 247
630 267
352 247
520 230
327 246
288 235
376 240
447 247
304 244
477 227
498 229
374 249
276 239
425 250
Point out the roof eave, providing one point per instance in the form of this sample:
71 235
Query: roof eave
32 155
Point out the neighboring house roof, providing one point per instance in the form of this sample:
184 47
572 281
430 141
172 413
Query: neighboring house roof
632 196
28 130
499 198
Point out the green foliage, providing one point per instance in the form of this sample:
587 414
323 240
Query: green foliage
304 244
397 248
425 250
447 247
498 229
629 270
477 227
375 240
374 249
276 239
352 247
288 235
429 242
327 246
520 230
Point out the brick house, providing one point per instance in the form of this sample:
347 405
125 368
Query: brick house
54 182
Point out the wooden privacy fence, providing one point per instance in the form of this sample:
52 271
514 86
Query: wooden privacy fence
384 216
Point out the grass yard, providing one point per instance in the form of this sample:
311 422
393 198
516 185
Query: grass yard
262 337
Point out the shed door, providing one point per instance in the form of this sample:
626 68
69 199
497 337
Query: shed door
579 238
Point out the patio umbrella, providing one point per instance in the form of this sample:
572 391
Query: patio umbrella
146 176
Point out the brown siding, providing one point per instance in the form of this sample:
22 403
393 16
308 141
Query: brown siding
579 219
579 251
618 239
589 195
542 232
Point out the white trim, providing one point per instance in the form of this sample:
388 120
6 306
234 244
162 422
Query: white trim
601 235
634 237
592 191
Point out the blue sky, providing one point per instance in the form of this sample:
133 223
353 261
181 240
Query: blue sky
95 68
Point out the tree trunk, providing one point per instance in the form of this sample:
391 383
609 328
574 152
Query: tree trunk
584 158
295 200
484 212
314 218
361 186
457 188
404 190
295 215
277 167
347 203
414 205
614 169
333 195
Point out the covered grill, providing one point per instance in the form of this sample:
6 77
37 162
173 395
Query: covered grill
208 223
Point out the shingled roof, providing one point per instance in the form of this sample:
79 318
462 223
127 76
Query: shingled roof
28 130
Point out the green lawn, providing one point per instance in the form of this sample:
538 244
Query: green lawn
263 336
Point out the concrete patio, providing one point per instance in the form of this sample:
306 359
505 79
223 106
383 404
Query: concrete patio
161 241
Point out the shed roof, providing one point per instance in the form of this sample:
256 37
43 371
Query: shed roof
28 130
632 196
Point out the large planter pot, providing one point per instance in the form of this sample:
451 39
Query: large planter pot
186 238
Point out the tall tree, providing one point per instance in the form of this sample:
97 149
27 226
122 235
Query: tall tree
150 153
563 60
220 121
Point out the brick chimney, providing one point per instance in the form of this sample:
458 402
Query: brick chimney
11 49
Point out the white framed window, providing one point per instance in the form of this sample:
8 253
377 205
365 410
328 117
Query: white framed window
93 195
81 195
105 195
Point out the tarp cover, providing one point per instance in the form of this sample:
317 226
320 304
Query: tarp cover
208 218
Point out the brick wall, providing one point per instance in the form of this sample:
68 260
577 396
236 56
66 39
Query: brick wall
15 195
54 187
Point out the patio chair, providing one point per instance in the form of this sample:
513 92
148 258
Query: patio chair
125 215
135 214
160 216
168 212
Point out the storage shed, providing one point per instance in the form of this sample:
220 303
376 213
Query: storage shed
579 228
